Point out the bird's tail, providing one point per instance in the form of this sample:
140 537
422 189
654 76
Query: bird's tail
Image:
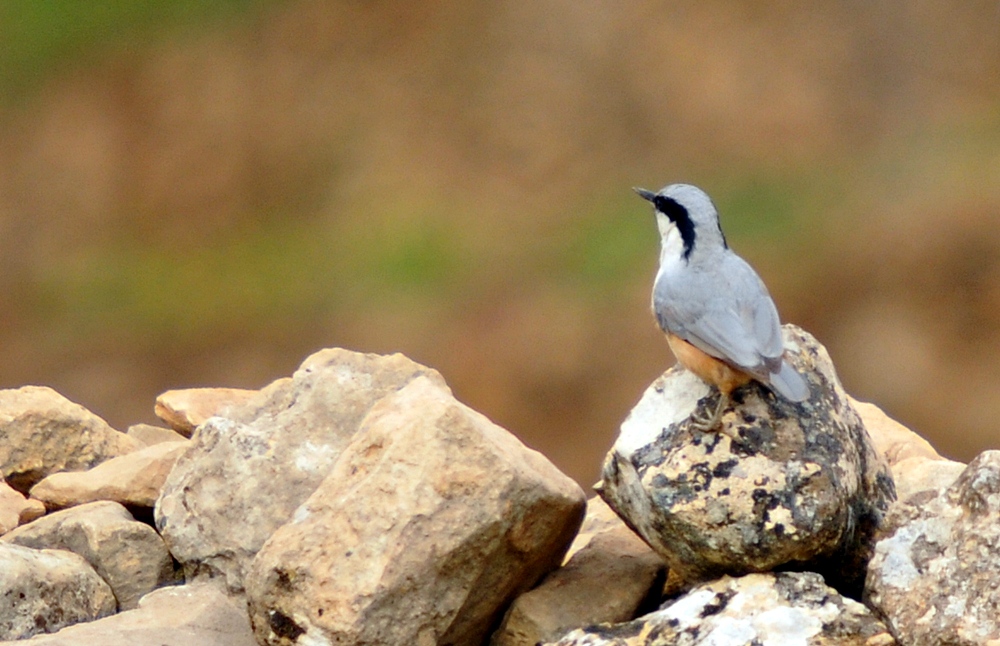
789 383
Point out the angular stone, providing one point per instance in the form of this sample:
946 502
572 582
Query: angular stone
44 433
12 507
934 573
150 435
127 554
779 484
890 438
431 522
611 576
918 474
249 471
134 480
32 510
199 614
185 410
45 590
753 610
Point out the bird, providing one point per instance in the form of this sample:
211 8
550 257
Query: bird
716 312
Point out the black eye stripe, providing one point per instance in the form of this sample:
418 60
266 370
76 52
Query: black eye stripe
679 216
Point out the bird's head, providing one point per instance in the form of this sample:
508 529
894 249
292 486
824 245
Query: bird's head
685 211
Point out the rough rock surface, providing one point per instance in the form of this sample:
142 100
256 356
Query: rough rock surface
431 522
200 614
934 572
134 480
44 590
248 472
755 610
15 509
185 410
917 474
781 484
611 577
150 435
127 554
43 432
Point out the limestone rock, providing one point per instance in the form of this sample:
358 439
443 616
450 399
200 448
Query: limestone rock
892 439
44 590
918 474
32 510
430 523
611 576
43 432
185 410
781 484
754 610
249 471
200 614
150 435
14 508
934 573
127 554
134 479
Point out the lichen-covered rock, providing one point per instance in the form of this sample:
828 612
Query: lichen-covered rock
611 577
247 472
934 576
134 480
199 614
43 432
755 610
44 590
127 554
780 484
431 522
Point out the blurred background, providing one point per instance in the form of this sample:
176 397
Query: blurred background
199 193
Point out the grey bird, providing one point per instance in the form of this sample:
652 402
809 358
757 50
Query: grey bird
719 319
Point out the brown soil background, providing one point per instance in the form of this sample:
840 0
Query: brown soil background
206 201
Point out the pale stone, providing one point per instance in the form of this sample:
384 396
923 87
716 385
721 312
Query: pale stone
134 480
787 609
200 614
185 410
150 435
32 510
779 483
934 575
127 554
43 433
247 472
918 474
430 523
892 439
611 576
12 506
45 590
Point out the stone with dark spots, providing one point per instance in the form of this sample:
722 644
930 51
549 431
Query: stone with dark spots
784 485
754 610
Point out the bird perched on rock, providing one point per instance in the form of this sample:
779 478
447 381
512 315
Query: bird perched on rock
720 321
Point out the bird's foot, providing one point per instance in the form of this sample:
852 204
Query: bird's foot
711 422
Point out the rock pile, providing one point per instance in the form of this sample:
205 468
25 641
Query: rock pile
357 502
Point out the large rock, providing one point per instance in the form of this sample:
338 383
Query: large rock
430 523
754 610
780 484
934 574
185 410
200 614
134 480
45 590
43 432
127 554
610 577
249 471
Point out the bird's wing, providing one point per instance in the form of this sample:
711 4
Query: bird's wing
725 312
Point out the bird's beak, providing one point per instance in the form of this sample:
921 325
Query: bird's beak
644 194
